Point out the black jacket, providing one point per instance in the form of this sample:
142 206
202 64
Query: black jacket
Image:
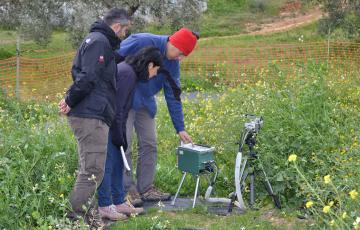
92 94
125 80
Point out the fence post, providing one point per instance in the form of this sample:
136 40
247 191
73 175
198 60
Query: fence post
17 89
328 50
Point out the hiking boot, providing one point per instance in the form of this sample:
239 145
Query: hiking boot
153 194
109 212
128 209
134 198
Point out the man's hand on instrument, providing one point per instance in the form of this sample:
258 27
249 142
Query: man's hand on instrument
185 137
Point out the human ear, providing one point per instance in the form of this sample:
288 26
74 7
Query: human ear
150 65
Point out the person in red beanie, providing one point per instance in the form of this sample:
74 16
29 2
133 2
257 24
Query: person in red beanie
142 114
180 44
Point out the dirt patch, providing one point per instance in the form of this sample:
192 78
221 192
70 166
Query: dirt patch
277 221
288 20
290 8
6 42
273 217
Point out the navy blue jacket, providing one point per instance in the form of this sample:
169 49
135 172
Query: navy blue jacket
145 91
92 94
125 81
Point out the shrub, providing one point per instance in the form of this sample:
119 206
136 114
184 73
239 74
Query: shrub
5 54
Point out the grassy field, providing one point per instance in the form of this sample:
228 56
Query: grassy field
264 218
230 17
310 114
292 36
228 49
59 45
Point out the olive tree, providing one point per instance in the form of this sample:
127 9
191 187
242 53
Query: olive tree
344 14
165 13
33 19
37 18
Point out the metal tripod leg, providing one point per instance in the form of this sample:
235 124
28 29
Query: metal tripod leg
270 190
196 189
252 189
178 190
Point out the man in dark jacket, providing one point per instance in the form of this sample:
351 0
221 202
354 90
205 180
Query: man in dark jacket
90 102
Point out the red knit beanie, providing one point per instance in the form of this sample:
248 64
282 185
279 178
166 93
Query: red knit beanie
184 40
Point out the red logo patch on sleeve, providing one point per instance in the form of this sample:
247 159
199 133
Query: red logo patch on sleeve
101 60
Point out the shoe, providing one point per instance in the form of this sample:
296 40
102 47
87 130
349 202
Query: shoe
109 212
134 198
93 220
127 208
154 194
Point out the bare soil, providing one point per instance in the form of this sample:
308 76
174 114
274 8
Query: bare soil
290 16
286 21
281 222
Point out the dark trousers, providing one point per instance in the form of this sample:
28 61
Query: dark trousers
111 190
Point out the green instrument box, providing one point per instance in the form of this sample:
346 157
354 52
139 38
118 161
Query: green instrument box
193 158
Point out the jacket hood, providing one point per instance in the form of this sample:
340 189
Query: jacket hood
102 27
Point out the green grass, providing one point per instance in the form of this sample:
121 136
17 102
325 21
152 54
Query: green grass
59 45
311 112
7 36
230 17
200 219
309 32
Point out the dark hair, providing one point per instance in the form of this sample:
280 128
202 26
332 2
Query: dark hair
140 61
196 34
116 15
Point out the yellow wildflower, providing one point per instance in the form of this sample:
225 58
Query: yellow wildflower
332 222
344 215
327 179
326 209
292 157
309 204
331 203
61 195
356 223
353 194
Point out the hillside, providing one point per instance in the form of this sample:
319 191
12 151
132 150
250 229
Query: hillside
232 17
294 19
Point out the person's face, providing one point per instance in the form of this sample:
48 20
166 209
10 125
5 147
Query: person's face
153 70
173 53
121 30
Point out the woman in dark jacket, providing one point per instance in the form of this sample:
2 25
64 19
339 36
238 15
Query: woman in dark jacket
140 67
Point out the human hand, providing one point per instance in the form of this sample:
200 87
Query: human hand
184 136
63 107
